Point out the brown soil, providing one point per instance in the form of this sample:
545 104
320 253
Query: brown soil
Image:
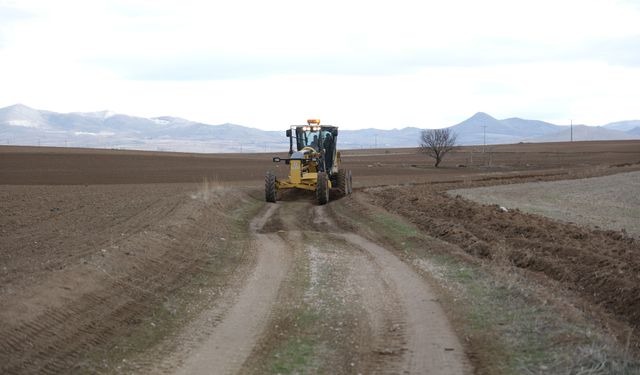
384 316
241 316
61 166
82 266
609 202
601 266
92 242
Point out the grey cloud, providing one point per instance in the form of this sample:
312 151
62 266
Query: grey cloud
225 67
620 51
8 16
211 67
133 10
485 52
632 3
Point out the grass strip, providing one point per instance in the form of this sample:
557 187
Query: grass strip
507 324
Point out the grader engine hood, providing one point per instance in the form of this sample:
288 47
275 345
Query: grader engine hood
302 154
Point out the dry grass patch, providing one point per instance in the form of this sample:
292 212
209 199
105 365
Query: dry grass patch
510 322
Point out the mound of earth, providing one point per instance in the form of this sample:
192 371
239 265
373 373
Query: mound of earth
602 266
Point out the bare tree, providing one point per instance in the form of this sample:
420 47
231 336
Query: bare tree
436 143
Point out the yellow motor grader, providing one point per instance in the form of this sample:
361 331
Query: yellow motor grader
314 163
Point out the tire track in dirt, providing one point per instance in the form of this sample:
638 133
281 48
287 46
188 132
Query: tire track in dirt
411 333
406 318
231 341
383 344
375 314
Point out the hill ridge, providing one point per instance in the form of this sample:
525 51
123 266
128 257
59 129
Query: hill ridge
23 125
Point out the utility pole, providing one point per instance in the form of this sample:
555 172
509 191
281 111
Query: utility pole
484 137
376 141
571 130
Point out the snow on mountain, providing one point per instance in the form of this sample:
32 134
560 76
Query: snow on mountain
25 123
99 115
21 115
160 121
22 125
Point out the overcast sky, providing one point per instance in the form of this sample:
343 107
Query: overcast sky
356 64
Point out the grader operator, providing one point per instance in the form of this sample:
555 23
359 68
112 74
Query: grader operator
314 163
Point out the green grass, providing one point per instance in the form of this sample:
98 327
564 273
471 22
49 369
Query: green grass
295 356
293 350
398 229
303 343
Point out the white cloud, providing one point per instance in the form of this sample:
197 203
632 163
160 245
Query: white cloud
355 63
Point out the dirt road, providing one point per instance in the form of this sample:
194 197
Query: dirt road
389 319
242 315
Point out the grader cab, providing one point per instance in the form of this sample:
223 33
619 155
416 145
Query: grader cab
314 163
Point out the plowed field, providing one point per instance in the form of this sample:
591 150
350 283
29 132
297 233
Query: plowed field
123 261
610 202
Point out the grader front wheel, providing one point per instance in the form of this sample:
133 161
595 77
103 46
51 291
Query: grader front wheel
322 188
270 187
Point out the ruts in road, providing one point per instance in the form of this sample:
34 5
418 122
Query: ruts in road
323 300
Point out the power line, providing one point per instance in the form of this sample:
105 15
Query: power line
484 137
571 130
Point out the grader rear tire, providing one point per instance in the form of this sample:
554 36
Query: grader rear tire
343 182
349 183
270 187
322 188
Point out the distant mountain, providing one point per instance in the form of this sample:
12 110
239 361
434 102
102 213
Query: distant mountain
623 125
22 125
531 127
586 133
634 132
23 116
480 127
376 138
